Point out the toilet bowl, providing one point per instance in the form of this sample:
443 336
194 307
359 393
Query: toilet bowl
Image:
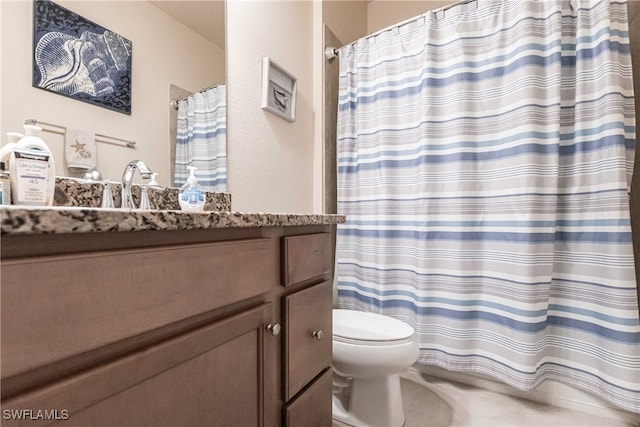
369 351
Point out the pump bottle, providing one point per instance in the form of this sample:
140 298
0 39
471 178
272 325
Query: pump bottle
32 170
191 195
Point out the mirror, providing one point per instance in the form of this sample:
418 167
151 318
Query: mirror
165 52
206 18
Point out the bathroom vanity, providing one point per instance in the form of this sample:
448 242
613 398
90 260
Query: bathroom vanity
122 317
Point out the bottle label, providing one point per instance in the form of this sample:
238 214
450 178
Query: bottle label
193 196
192 199
32 173
5 190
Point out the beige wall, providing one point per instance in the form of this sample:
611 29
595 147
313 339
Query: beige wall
346 19
270 160
173 54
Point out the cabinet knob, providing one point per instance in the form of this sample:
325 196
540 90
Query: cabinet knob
273 328
317 334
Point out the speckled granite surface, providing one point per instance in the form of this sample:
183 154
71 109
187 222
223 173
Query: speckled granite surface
74 192
62 219
77 210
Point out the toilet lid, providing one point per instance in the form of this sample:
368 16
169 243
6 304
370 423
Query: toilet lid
363 326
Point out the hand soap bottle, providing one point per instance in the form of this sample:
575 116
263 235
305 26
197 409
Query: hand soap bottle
191 195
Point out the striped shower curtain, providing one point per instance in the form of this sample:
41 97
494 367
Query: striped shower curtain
484 161
202 139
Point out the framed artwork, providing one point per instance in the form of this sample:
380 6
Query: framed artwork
77 58
278 90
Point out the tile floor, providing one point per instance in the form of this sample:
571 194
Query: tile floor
431 402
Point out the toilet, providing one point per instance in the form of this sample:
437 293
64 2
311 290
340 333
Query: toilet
369 351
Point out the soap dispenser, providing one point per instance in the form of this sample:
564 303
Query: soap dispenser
191 195
153 183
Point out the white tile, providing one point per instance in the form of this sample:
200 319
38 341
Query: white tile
432 402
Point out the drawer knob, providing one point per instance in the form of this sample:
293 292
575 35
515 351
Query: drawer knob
273 328
317 334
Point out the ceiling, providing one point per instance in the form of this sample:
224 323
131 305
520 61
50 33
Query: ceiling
205 17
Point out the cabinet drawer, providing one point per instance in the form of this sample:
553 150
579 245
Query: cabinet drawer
306 257
59 306
313 406
308 333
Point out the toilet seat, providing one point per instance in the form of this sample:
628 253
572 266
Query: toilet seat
359 327
363 343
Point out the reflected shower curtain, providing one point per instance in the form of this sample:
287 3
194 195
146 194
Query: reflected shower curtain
202 139
484 162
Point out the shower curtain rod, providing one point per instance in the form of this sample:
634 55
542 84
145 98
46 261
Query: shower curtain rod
174 102
331 52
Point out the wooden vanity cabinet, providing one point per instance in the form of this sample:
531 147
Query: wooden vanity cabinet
168 331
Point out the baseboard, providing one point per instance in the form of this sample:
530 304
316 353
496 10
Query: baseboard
549 392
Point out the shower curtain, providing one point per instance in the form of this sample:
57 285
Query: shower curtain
202 139
484 161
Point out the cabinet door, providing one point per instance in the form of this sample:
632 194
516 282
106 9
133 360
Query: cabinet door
313 406
308 331
212 376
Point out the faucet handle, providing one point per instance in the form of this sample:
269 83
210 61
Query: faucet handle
144 198
107 197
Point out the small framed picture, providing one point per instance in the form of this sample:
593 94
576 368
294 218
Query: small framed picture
278 90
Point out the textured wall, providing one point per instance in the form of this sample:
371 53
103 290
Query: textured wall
270 160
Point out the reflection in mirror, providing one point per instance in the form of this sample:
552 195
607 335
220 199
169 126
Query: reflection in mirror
201 138
198 115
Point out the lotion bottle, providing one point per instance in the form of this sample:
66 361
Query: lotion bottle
32 170
191 195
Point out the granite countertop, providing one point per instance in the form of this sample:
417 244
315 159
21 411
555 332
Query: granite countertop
21 220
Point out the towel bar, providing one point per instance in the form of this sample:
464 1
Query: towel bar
63 130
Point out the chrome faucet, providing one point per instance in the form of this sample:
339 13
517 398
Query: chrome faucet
127 178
